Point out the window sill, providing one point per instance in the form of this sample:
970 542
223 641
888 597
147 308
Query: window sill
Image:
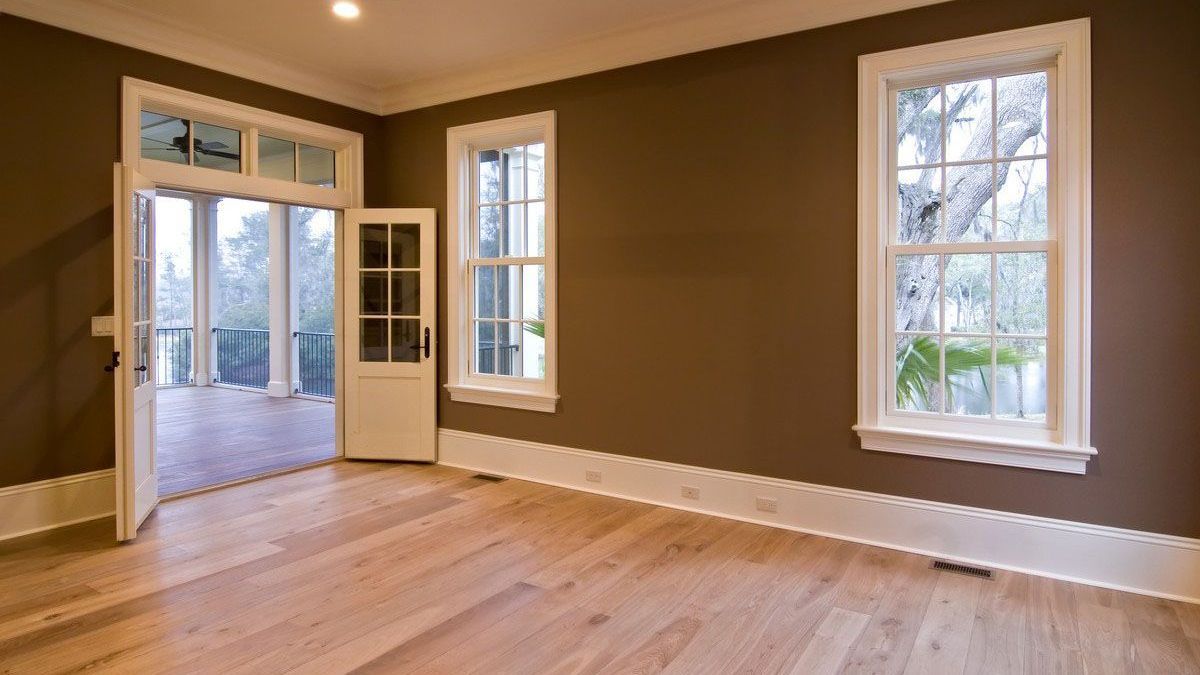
987 450
505 398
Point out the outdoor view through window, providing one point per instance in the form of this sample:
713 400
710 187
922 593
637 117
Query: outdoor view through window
971 249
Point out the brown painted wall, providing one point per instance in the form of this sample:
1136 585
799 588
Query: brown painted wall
707 261
59 135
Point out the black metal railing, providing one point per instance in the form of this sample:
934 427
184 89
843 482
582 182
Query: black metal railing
172 356
496 359
316 363
243 356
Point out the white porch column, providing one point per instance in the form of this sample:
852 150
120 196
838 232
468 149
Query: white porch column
293 296
280 380
204 263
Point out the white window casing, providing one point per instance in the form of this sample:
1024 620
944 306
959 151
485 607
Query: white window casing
1061 442
462 145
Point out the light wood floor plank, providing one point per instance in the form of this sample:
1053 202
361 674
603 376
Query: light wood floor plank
378 568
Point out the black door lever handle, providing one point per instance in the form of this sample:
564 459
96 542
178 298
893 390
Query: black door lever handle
140 369
116 361
418 346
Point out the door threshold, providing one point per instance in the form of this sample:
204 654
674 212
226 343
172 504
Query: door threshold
249 479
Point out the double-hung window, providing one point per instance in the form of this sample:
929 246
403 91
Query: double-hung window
502 263
973 264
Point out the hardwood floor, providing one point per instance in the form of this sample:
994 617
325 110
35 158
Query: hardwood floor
211 435
412 568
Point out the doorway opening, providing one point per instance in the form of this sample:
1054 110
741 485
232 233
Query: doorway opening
244 338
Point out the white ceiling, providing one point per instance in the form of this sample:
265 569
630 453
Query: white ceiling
405 54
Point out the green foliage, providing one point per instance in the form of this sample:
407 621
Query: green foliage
537 328
917 369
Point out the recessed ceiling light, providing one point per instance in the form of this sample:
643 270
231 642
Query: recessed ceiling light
345 9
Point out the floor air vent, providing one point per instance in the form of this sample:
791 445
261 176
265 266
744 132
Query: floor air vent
959 568
489 478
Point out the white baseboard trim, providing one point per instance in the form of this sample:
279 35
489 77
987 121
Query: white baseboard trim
1128 560
47 504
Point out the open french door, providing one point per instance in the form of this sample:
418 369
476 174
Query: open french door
390 268
133 349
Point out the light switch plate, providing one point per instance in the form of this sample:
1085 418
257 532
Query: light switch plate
102 326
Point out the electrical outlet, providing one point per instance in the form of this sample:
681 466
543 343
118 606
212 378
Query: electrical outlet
689 492
768 504
592 476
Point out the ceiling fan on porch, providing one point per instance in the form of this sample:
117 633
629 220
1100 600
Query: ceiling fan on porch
213 148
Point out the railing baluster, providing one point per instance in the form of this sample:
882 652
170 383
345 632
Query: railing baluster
172 356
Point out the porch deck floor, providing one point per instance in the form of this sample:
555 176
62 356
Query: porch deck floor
211 435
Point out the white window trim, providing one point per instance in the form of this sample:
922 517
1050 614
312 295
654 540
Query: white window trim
539 394
1064 446
137 95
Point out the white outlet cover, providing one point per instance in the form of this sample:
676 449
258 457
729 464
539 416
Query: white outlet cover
102 326
689 492
768 504
592 476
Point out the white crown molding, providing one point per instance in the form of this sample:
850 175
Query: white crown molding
664 37
47 504
107 21
661 38
1128 560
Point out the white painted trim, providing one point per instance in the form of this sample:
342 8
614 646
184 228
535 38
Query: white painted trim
1065 445
667 36
461 141
108 20
1127 560
47 504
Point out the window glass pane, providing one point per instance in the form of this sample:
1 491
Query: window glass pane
918 126
1021 115
513 229
276 158
1021 200
969 376
918 372
969 120
373 336
485 292
969 293
489 176
533 350
489 232
508 285
535 229
919 204
406 340
1021 379
512 168
1021 293
508 345
917 286
143 355
969 203
535 170
164 138
373 246
533 291
485 347
373 298
406 245
217 147
317 166
406 293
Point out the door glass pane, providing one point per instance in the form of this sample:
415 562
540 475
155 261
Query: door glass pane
217 147
406 245
276 158
164 138
406 293
374 293
373 246
136 298
373 339
317 166
969 376
142 216
143 301
918 372
406 340
485 347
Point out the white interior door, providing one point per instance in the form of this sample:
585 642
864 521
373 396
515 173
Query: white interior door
390 269
134 344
